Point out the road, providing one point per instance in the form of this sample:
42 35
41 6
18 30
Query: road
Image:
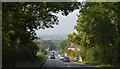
58 63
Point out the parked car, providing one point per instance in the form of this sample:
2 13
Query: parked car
66 59
61 57
76 59
58 55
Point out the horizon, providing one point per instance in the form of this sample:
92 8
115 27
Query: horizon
65 26
53 37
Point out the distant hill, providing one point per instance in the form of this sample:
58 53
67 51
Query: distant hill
53 37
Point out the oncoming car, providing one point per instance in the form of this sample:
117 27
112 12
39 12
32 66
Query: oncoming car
52 55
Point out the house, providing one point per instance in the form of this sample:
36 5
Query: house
71 50
72 47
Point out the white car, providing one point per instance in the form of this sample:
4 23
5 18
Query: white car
61 57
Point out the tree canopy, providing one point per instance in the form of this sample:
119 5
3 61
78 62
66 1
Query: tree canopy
21 19
98 27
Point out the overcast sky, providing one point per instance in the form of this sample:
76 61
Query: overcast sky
65 26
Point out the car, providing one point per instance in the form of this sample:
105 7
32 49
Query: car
66 59
61 57
58 55
53 52
52 56
76 59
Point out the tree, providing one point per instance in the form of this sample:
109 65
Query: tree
21 19
61 44
98 26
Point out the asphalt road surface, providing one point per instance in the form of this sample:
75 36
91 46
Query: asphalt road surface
59 63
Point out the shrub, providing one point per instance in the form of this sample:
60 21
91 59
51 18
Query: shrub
41 58
82 52
104 54
22 53
90 55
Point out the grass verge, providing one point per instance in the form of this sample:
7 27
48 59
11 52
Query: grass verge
100 65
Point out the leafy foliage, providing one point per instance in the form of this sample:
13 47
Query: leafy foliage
21 19
98 31
61 44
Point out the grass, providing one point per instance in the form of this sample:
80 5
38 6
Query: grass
100 65
83 62
105 65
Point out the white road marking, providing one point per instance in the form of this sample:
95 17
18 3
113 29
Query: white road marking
68 66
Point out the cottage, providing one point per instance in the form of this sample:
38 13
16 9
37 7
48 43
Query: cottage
71 50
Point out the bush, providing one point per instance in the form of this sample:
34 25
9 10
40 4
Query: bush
82 52
41 58
91 55
76 53
104 54
22 53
